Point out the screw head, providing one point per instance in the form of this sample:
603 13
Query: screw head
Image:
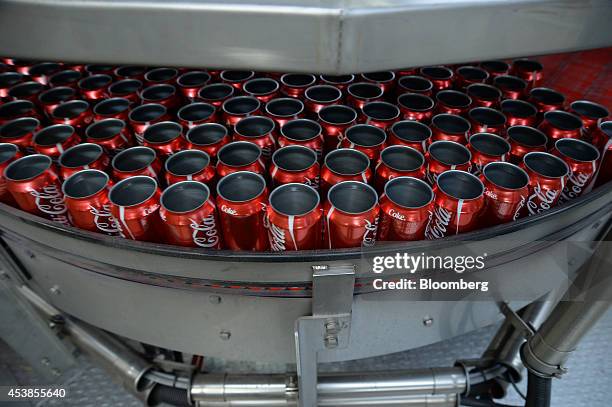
225 335
331 326
331 341
428 321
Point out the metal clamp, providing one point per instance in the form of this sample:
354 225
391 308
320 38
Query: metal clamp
329 326
516 321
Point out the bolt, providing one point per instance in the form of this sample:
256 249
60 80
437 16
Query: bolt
428 321
214 299
225 335
331 326
45 361
56 372
331 341
55 290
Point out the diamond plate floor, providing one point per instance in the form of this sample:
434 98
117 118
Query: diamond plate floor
588 383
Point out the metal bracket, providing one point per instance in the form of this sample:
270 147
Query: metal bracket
329 327
517 322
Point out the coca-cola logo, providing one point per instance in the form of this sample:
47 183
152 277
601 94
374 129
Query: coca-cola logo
276 235
541 200
104 220
369 235
50 201
204 233
491 194
313 182
395 214
520 206
438 223
575 186
228 210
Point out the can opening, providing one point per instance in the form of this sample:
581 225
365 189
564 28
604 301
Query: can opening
510 82
453 98
346 161
241 105
527 65
606 127
381 110
472 73
437 72
409 192
402 158
217 91
125 87
195 112
147 113
294 158
450 123
506 175
97 68
338 79
134 159
590 109
155 93
352 197
128 71
16 108
577 150
284 107
80 155
411 131
71 109
187 162
52 135
27 167
382 76
44 69
547 96
546 164
449 152
415 101
95 82
338 114
206 134
25 90
236 76
161 74
365 135
193 79
563 120
301 130
254 126
163 132
8 79
185 196
18 127
84 184
239 153
484 92
323 93
7 151
489 144
66 77
415 83
298 80
112 106
133 191
518 108
241 186
527 136
495 66
294 199
364 90
460 185
57 95
487 116
104 129
261 86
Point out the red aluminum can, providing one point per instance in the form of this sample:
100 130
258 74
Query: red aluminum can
319 96
523 140
189 165
410 133
487 120
529 70
446 155
208 137
283 110
339 81
351 215
450 127
16 109
162 94
239 156
384 79
294 84
195 114
558 124
601 137
130 72
87 201
603 141
239 107
42 71
54 140
344 164
216 94
134 203
365 138
8 80
506 191
484 95
30 90
191 82
511 87
495 67
406 72
111 134
236 78
166 138
335 120
590 113
295 164
487 148
458 205
83 156
398 161
452 102
242 199
20 132
380 114
264 89
361 93
76 113
53 97
468 75
294 218
161 76
142 117
519 113
259 130
189 216
440 76
36 187
114 108
415 106
94 87
547 179
302 132
98 69
8 153
546 100
405 208
136 161
414 84
127 88
582 159
67 77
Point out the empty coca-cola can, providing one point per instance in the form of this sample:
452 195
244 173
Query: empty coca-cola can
398 161
344 164
196 113
189 165
582 159
8 153
16 109
302 132
135 205
351 215
20 132
114 108
384 79
135 161
380 114
236 78
468 75
189 215
335 120
8 80
365 138
511 87
506 191
453 102
94 87
216 94
318 96
67 77
601 137
98 69
283 110
51 98
162 94
519 112
127 89
410 133
450 127
414 84
86 195
483 95
295 164
558 124
166 138
112 134
523 140
294 218
495 67
547 179
405 208
239 107
458 205
603 141
161 76
414 106
142 117
259 130
487 120
36 187
264 89
239 156
130 72
446 155
208 137
339 81
545 99
242 199
190 83
440 76
76 113
487 148
529 70
29 90
360 93
82 157
590 113
294 84
54 140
